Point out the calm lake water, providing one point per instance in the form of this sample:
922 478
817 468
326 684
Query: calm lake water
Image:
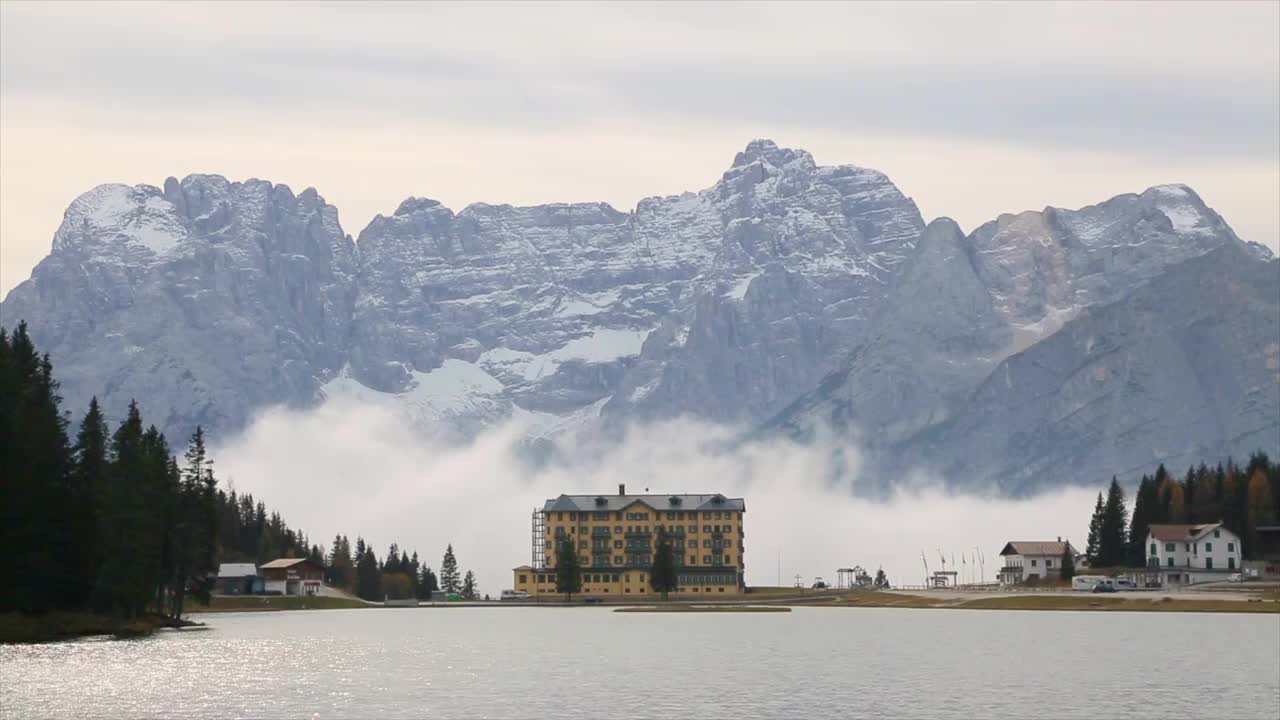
592 662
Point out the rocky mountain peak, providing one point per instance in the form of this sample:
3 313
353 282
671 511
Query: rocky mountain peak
210 300
767 154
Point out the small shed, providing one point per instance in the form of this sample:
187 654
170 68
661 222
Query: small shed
238 579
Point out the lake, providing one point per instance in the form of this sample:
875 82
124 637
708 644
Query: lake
593 663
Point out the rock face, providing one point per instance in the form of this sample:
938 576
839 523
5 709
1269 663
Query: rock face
784 296
205 300
1182 369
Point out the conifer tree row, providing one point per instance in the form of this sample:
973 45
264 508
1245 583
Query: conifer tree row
110 524
1241 498
114 524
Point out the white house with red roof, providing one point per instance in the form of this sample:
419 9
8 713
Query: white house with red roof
1185 554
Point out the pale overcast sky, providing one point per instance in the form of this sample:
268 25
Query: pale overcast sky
973 110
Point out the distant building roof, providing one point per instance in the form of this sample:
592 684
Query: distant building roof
1172 532
237 570
590 503
1036 547
283 563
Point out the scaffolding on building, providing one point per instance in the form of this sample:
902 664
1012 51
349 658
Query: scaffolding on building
539 540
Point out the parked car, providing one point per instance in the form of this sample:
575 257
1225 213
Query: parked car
1235 577
514 595
1104 588
593 600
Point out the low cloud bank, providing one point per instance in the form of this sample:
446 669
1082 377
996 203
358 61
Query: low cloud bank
361 470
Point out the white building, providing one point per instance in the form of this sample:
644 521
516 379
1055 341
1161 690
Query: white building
1185 554
1025 559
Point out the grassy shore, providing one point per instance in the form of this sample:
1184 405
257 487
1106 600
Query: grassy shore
60 625
1090 602
269 603
704 608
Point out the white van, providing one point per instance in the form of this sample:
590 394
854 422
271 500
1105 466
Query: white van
1086 583
514 595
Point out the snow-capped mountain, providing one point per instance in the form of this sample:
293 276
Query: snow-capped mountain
786 293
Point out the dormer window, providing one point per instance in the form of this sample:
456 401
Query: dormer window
675 499
717 499
600 501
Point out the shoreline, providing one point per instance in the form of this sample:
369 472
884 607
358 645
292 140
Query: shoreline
18 628
1265 603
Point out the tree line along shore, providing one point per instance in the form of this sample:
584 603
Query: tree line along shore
109 531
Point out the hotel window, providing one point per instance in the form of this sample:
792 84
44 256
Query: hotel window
706 528
693 559
617 530
728 543
559 516
706 543
1170 562
583 544
1033 563
617 544
1168 547
721 589
728 558
679 516
718 516
693 528
524 579
617 559
573 516
671 516
1231 547
1188 547
1208 547
1217 533
1153 548
706 559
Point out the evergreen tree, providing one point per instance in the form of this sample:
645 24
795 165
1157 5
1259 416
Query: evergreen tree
1094 549
89 477
568 571
1068 562
34 469
882 581
339 569
1261 511
662 575
368 576
1177 502
450 581
427 583
469 586
1158 514
1112 532
1144 506
392 562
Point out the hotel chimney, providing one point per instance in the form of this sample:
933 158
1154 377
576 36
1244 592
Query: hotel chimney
622 489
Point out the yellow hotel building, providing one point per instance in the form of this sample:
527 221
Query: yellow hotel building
616 535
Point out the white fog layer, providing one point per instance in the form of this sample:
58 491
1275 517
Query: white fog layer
358 469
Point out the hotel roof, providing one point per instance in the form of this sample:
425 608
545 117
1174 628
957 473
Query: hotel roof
591 503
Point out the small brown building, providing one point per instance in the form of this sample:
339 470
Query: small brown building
292 576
